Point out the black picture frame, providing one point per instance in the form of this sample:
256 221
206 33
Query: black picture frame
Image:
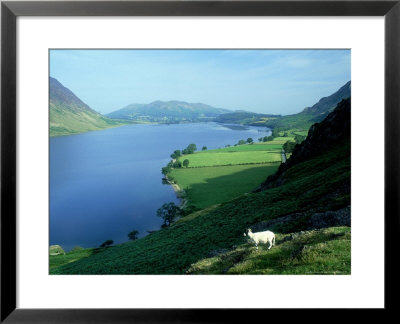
10 10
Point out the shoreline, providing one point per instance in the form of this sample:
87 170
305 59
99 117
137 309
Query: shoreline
179 192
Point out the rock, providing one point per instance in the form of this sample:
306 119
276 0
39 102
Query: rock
56 250
341 217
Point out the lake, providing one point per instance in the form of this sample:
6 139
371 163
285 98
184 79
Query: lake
104 184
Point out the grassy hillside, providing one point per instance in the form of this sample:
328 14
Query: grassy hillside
168 112
324 251
70 115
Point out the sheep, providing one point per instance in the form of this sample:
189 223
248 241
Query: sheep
261 237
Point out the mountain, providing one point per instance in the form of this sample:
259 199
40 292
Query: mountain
302 120
310 115
70 115
168 111
244 117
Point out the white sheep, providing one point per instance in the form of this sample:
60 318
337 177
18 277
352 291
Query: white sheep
261 237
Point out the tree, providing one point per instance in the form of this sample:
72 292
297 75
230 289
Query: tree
241 142
299 138
204 148
191 148
275 132
168 212
249 140
186 163
177 164
176 154
107 243
260 139
133 235
289 146
165 170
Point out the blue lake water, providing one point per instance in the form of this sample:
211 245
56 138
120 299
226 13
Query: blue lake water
103 184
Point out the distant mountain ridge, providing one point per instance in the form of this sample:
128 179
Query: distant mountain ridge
313 114
302 120
327 104
70 115
168 111
244 117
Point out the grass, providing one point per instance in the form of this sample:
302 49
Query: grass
326 251
270 146
66 122
235 155
231 158
213 185
216 176
314 185
74 255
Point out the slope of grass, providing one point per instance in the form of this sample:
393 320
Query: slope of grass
315 186
326 251
74 255
66 122
213 185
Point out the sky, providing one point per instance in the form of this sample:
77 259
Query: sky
263 81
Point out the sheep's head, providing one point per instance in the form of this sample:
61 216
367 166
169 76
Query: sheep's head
249 230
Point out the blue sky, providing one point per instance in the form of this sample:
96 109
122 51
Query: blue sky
265 81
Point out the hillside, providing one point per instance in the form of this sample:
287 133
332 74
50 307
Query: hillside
307 205
244 117
168 112
70 115
300 121
332 132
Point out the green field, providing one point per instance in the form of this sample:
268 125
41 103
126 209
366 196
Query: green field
231 158
216 176
282 140
270 146
212 185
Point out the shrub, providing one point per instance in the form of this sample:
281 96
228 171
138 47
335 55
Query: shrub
133 235
107 243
